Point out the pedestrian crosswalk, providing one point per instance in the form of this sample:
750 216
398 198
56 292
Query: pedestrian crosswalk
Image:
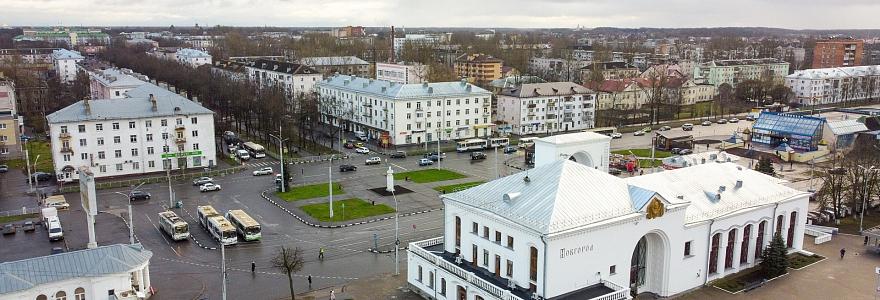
260 164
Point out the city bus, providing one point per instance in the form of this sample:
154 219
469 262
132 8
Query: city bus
204 212
471 145
174 226
246 226
526 141
499 142
256 150
221 230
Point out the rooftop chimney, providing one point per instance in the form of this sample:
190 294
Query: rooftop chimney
153 102
87 106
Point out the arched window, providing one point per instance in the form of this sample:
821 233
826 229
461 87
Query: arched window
42 297
79 294
533 269
779 224
744 247
443 286
759 243
713 253
60 295
457 235
728 256
792 222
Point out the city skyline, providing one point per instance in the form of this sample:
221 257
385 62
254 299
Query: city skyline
456 13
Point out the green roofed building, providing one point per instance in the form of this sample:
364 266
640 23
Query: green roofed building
68 36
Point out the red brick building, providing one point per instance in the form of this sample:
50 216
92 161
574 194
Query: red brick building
833 53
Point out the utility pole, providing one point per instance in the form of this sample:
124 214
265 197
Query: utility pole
130 215
396 236
223 267
330 185
281 155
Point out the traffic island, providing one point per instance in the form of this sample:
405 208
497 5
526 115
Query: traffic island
398 190
309 191
428 175
344 210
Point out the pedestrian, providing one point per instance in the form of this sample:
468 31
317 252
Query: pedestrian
866 240
253 266
321 254
641 172
310 281
842 252
332 295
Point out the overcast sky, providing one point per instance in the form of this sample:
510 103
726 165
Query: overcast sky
795 14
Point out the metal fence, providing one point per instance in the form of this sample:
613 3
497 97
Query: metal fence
158 179
18 212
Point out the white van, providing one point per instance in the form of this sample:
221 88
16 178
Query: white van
243 154
360 135
54 228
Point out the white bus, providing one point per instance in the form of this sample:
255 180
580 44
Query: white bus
246 226
254 149
174 226
526 141
221 230
204 212
471 145
499 142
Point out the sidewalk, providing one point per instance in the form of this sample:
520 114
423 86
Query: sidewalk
386 286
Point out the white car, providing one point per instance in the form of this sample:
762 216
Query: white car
208 187
425 162
638 133
264 171
58 205
362 150
616 135
373 161
202 180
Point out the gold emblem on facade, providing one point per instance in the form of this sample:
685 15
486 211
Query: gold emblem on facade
655 209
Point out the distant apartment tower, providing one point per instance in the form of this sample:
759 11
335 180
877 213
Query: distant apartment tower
112 83
296 79
65 64
478 68
346 65
832 53
546 107
349 31
9 121
70 37
402 72
190 57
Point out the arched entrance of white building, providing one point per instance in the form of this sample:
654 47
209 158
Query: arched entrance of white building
649 264
583 158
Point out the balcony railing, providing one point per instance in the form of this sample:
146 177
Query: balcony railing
64 135
618 294
179 127
66 150
180 140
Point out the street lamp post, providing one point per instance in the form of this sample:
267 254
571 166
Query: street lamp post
396 236
130 215
281 156
330 184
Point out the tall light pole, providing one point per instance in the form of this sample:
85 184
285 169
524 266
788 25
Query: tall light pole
865 197
130 215
330 184
281 155
396 236
168 168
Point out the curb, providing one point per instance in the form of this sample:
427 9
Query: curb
371 250
263 194
317 160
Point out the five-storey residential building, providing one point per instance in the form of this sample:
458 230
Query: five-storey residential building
399 114
478 68
833 53
833 85
10 131
65 64
296 79
149 130
402 72
546 107
732 72
346 65
112 83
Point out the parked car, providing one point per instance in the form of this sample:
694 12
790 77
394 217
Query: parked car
434 154
646 129
208 187
41 176
202 180
264 171
346 168
687 127
375 160
4 168
616 135
478 155
706 123
675 150
509 149
348 145
721 121
435 157
425 162
359 144
278 178
734 120
638 133
665 128
8 229
685 152
58 205
398 154
57 250
750 118
362 150
139 195
28 226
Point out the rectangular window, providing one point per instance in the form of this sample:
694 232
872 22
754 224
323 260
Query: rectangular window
164 135
135 165
195 133
131 125
509 268
195 146
99 127
84 156
103 168
510 242
612 270
117 139
687 248
82 142
115 126
67 157
134 152
101 155
151 164
118 167
149 150
476 228
486 232
194 120
148 123
485 258
117 153
63 129
149 137
498 237
164 122
133 138
179 121
81 128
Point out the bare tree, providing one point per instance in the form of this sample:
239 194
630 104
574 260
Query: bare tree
290 261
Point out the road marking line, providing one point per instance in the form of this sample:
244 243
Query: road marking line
393 164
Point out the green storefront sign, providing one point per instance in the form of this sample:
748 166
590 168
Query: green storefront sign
182 154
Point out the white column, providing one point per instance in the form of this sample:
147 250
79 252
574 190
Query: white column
147 278
737 248
784 233
722 253
799 231
753 239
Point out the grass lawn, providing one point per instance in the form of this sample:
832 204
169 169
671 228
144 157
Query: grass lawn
798 260
428 175
36 148
644 152
310 191
737 282
8 219
646 163
851 224
348 209
457 187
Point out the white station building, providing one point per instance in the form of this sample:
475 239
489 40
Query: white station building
568 230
